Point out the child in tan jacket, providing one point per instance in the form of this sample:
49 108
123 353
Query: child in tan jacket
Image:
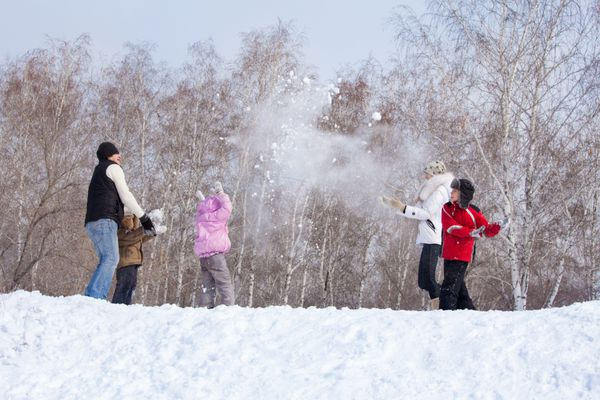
131 236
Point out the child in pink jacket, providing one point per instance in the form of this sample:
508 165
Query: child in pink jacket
211 244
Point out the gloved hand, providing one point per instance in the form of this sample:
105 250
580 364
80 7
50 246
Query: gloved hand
393 202
148 225
503 223
218 188
199 195
477 233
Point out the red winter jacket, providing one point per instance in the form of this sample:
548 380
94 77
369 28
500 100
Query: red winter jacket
457 225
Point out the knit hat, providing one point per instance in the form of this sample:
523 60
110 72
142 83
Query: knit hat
105 150
435 168
466 189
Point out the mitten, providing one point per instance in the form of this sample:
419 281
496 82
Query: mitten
393 202
492 230
148 225
218 188
503 223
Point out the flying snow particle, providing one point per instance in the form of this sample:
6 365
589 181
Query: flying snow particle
376 116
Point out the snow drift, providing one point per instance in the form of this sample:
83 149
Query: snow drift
77 347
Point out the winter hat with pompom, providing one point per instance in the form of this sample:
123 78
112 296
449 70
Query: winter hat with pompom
435 168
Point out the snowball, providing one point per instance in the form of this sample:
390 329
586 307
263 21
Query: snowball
156 216
376 116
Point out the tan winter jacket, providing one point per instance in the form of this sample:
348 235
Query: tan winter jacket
131 236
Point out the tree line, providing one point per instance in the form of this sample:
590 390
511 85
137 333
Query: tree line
504 92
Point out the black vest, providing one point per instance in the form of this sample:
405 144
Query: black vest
103 199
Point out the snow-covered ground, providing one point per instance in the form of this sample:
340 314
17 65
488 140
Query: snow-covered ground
81 348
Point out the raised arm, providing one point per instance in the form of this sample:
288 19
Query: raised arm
222 213
429 208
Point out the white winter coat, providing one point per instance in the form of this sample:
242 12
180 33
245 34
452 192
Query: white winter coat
434 193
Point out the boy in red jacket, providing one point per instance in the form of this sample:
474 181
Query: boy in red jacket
461 225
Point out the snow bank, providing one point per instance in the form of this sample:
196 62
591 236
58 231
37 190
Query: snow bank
78 347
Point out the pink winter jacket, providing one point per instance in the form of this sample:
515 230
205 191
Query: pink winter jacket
211 226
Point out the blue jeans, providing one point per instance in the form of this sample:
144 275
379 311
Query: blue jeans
103 234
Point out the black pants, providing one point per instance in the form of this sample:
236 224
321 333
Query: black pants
126 281
454 294
427 266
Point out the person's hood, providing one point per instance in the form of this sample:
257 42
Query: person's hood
209 204
430 185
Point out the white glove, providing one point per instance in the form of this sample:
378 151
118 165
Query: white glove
218 188
477 233
392 202
200 195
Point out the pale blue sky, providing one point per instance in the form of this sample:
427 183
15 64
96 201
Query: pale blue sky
337 32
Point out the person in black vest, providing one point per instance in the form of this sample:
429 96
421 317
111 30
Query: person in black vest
107 194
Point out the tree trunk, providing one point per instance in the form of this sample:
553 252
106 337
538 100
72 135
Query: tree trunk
257 242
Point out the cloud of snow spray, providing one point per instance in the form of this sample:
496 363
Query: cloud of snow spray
297 156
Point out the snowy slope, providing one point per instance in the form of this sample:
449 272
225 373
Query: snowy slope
77 347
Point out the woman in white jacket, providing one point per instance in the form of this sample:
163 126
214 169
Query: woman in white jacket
433 194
